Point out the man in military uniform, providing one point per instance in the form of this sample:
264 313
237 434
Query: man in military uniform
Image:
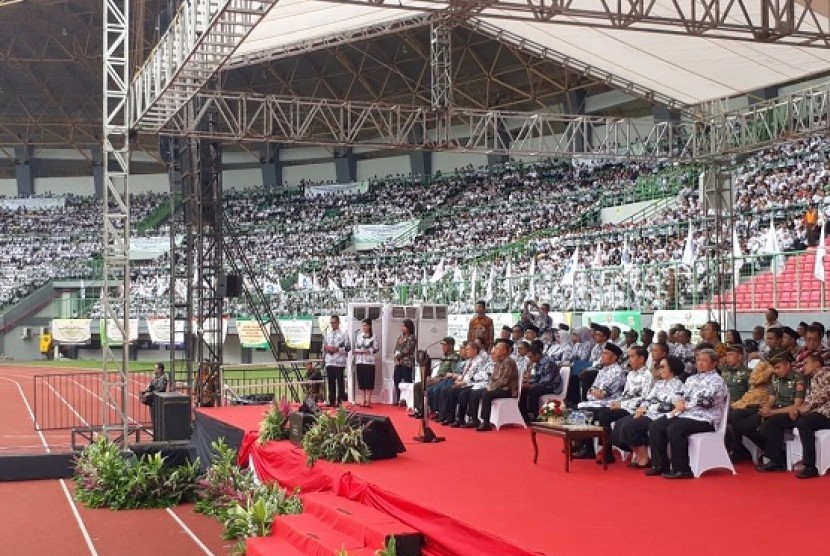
786 393
736 376
813 414
481 327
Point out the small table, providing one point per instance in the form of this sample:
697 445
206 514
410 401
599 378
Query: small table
569 433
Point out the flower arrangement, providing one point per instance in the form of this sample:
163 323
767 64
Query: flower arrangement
552 410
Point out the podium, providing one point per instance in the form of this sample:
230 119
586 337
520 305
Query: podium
171 416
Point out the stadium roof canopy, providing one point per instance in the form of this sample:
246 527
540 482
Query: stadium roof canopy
689 69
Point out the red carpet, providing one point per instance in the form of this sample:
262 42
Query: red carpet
488 480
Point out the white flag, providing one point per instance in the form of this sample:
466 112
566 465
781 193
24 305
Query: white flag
82 293
333 285
625 257
597 262
473 284
490 281
689 249
570 270
772 247
532 272
439 271
458 278
738 256
818 271
508 274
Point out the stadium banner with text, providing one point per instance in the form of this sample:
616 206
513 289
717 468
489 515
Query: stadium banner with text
208 335
297 331
372 236
457 325
159 330
72 331
114 337
36 203
251 334
148 248
693 319
356 188
626 320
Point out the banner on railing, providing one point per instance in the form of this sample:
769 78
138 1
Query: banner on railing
37 203
356 188
72 331
693 319
251 334
113 336
297 332
148 248
209 331
626 320
159 330
372 236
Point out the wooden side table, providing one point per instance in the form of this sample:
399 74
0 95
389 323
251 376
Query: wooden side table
570 433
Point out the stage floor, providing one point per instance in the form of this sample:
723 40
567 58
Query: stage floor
489 481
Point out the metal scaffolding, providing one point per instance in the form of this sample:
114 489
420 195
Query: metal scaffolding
115 289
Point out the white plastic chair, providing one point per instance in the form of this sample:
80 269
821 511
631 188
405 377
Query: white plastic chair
407 390
505 411
707 450
565 374
795 450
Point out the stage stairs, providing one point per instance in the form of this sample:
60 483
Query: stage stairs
330 524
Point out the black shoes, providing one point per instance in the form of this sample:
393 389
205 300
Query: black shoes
456 425
655 472
807 472
474 424
484 427
770 467
583 453
678 475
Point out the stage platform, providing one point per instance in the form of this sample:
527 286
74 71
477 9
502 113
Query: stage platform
480 494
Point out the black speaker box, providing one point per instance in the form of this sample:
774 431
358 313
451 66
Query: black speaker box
171 416
233 285
298 423
381 437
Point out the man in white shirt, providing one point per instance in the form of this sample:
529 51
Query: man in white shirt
336 346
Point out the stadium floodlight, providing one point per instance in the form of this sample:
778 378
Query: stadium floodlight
9 2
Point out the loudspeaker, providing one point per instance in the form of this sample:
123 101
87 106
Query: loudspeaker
381 437
233 285
171 416
298 424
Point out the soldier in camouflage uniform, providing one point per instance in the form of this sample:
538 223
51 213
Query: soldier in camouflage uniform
786 393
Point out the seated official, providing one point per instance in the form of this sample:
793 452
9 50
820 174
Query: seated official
504 383
589 375
476 374
631 432
543 378
698 409
638 382
814 413
444 377
774 418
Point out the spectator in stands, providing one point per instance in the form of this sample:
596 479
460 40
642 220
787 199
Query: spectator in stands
771 317
405 347
365 348
698 409
814 414
631 433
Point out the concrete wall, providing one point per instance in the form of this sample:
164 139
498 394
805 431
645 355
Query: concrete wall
612 215
382 167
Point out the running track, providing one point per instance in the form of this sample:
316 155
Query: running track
40 517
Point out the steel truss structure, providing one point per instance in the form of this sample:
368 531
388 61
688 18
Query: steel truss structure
115 289
287 120
201 38
783 21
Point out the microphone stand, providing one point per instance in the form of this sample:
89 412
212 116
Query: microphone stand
427 435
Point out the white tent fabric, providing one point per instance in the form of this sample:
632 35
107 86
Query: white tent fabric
690 69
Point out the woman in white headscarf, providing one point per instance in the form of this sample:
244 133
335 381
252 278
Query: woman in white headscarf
583 343
562 351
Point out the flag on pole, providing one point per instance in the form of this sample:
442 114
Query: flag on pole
439 271
625 257
473 284
689 249
597 262
532 272
82 293
818 271
490 281
508 274
570 270
772 247
738 257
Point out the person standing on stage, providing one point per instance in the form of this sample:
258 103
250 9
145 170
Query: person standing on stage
365 348
405 348
335 347
481 327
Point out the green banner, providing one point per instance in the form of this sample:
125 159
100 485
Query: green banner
251 334
626 320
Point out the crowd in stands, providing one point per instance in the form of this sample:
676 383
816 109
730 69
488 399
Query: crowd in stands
649 395
482 233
